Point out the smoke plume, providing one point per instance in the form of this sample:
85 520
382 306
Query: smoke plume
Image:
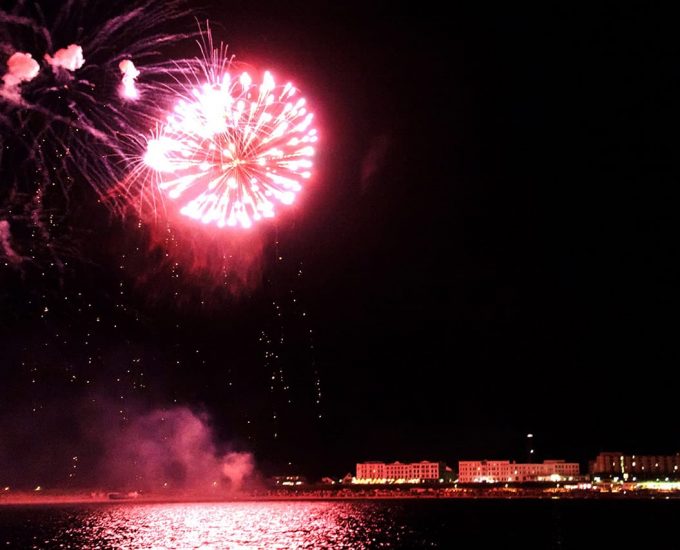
69 58
130 73
170 452
6 250
21 67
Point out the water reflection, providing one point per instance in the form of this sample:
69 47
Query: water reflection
457 524
277 525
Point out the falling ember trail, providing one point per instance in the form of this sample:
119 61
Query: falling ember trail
234 148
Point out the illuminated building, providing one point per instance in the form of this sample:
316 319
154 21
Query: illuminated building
503 471
398 472
289 480
610 465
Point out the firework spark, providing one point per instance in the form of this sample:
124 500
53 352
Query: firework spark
232 148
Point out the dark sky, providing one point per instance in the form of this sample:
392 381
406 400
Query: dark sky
489 248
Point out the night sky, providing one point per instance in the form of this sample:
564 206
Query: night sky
488 249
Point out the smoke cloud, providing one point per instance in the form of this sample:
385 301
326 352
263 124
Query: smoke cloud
69 58
130 73
374 160
6 249
164 452
21 67
172 450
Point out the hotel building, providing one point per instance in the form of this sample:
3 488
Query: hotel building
609 465
398 472
504 471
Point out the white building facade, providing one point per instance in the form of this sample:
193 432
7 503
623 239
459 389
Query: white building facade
635 466
504 471
398 472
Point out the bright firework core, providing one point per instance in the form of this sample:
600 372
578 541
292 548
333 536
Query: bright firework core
233 149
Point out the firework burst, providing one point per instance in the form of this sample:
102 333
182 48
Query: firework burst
233 147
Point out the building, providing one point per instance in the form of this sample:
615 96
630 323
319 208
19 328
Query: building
398 472
290 480
634 467
504 471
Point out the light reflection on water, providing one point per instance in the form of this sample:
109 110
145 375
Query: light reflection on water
457 524
251 525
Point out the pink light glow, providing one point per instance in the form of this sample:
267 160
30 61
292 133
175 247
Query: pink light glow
231 149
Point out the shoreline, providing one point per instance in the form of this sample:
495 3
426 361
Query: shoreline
26 500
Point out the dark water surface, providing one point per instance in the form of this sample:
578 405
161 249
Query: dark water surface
456 524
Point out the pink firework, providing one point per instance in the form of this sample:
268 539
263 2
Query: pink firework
234 148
